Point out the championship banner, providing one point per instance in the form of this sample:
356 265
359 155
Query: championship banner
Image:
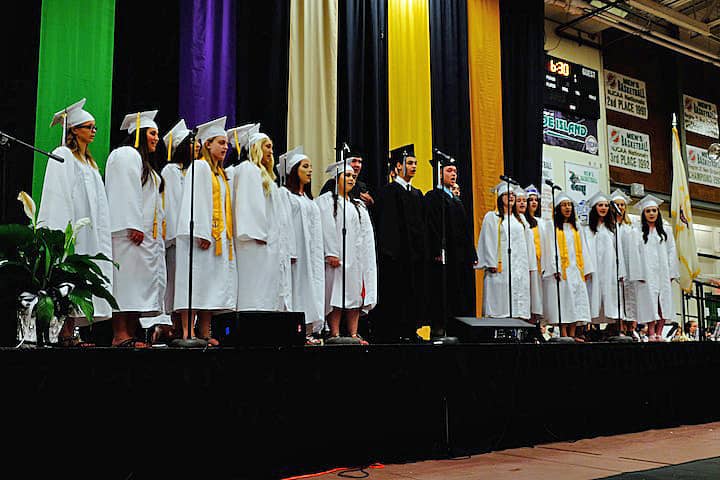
701 169
625 95
701 117
581 182
629 149
568 131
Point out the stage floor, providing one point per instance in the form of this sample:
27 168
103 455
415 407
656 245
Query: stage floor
275 412
688 452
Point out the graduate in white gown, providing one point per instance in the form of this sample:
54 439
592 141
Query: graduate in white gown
603 285
625 236
521 206
359 258
654 267
575 266
136 216
308 265
263 232
213 268
535 225
73 190
493 258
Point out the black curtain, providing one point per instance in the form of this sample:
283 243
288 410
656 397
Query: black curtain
18 102
146 64
451 89
522 56
362 98
263 49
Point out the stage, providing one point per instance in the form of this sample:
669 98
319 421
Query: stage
275 412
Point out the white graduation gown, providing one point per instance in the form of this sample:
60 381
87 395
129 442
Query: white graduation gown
139 283
603 285
73 190
264 273
174 177
496 292
308 270
214 276
536 301
657 264
625 237
360 262
574 300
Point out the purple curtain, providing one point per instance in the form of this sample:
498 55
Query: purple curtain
207 61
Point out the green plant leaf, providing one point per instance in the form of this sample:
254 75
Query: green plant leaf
83 300
44 311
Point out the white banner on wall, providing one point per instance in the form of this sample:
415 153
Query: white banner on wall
581 182
629 149
700 168
625 94
701 117
546 193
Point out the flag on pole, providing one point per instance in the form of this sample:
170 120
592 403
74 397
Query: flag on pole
682 221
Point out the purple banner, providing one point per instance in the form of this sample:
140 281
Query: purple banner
207 83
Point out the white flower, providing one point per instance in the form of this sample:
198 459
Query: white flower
79 225
28 205
65 288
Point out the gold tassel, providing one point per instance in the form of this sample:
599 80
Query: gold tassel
237 144
137 131
169 147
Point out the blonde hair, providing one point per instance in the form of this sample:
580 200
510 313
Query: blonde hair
205 153
72 143
266 171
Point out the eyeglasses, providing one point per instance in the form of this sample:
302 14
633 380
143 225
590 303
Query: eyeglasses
92 128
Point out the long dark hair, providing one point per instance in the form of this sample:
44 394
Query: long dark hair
354 201
594 219
292 182
184 153
658 227
559 219
501 208
150 160
532 219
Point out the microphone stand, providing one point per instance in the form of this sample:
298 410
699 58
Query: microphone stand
509 249
618 337
559 338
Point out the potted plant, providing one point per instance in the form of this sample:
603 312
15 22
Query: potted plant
44 274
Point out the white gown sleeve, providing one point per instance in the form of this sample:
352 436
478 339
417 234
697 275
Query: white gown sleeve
548 249
638 268
330 241
56 205
588 252
673 262
123 175
487 242
250 218
203 207
369 261
530 243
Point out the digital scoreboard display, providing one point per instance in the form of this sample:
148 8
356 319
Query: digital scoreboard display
571 88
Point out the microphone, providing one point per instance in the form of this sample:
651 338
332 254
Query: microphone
505 178
444 155
552 185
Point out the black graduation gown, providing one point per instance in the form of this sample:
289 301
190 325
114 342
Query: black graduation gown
400 225
460 254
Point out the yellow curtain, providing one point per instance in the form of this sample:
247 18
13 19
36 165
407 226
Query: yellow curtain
485 110
409 82
312 83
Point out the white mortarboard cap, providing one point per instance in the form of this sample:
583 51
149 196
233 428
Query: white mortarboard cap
562 196
618 195
73 114
333 168
648 201
255 136
176 135
597 197
532 190
520 192
501 188
138 120
241 134
212 129
292 158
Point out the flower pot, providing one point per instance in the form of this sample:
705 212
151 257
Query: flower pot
29 332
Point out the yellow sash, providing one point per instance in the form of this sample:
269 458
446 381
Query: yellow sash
499 245
538 250
564 257
218 223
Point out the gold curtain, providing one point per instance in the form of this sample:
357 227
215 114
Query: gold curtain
409 82
485 110
312 83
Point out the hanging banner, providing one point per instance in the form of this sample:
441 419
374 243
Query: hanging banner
625 95
701 169
581 182
568 131
546 205
629 149
701 117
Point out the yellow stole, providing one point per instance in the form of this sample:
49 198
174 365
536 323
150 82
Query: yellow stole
218 223
538 250
564 257
499 245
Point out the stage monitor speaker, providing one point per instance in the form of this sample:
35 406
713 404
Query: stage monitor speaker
259 328
490 330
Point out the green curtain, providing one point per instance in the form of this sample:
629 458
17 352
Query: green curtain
76 61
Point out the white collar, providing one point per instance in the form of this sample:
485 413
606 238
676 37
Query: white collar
402 182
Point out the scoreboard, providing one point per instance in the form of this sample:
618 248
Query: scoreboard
571 88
